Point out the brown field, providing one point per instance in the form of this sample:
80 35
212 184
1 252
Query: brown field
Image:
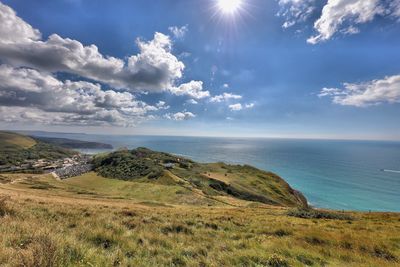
93 221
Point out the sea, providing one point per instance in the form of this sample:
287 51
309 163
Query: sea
333 174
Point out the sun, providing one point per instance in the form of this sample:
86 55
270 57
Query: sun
229 6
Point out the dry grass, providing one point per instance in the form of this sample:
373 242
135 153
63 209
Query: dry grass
22 141
56 228
4 207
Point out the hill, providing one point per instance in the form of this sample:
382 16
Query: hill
213 180
72 143
16 149
10 140
95 221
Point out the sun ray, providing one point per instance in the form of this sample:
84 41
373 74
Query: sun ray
229 6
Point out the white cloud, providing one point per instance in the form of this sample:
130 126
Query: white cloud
193 89
224 97
192 101
395 6
77 102
180 116
374 92
179 32
239 106
250 105
154 69
13 29
162 105
343 15
236 107
29 89
295 11
337 15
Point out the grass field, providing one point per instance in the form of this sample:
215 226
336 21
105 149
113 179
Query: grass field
94 221
9 139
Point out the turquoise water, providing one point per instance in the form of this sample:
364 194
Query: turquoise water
332 174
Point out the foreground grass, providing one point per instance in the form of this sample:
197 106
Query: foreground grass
55 227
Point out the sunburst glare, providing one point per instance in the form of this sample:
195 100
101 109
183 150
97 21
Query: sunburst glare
229 6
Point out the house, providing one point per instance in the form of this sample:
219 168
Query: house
169 165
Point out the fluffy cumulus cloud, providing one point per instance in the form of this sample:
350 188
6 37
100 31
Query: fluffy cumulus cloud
180 116
30 64
337 15
224 97
194 89
295 11
30 94
154 69
386 90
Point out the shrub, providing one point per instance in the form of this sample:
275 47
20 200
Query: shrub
383 253
318 214
282 232
128 213
102 241
314 240
184 165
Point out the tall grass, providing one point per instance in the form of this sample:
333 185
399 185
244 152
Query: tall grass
4 208
82 232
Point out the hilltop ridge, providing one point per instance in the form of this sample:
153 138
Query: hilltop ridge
213 179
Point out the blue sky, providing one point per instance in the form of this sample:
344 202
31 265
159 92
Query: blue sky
278 80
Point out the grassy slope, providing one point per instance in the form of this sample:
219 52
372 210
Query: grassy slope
73 144
212 180
9 140
82 222
16 148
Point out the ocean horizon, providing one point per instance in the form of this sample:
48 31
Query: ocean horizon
332 174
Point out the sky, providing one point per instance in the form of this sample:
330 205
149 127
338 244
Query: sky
243 68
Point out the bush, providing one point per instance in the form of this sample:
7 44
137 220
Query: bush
282 232
103 241
383 253
184 165
315 240
318 214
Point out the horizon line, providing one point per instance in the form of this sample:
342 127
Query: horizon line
214 136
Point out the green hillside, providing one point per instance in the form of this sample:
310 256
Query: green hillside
16 148
95 221
9 141
212 180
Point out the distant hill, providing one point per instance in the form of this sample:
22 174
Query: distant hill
16 148
73 144
9 140
212 180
